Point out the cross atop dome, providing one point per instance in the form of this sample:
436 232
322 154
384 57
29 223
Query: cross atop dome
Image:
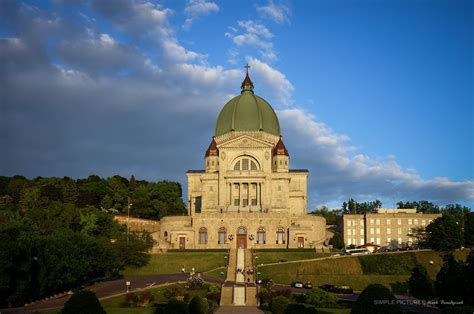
247 84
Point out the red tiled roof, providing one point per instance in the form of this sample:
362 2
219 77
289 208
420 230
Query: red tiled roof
280 149
212 150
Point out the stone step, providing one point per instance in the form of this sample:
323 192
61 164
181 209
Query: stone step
239 295
227 296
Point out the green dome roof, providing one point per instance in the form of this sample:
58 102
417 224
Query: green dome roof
247 112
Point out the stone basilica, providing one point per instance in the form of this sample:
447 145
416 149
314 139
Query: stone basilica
247 196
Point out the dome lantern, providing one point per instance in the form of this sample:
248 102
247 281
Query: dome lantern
247 112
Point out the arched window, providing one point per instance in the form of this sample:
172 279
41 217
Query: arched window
222 235
203 236
261 236
166 234
280 236
241 230
246 164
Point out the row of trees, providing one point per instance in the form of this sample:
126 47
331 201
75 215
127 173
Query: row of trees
149 199
56 247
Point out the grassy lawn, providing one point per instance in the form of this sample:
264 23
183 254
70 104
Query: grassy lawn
391 270
170 263
273 257
216 273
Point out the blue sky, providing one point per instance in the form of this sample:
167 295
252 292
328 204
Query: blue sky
375 98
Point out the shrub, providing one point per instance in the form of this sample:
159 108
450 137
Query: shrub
283 292
175 306
421 285
376 298
320 298
140 299
214 294
83 302
299 298
279 305
173 291
194 282
198 305
300 309
265 295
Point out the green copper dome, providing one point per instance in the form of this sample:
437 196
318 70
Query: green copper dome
247 112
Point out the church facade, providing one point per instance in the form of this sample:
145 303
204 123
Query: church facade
247 196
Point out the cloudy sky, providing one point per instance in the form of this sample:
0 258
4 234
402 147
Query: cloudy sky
375 98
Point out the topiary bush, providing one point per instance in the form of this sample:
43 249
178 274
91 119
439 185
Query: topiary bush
198 305
83 302
194 282
279 305
376 299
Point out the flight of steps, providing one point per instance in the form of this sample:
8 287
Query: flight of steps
239 289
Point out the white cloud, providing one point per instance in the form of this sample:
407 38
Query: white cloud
175 51
279 13
274 82
339 175
197 8
253 35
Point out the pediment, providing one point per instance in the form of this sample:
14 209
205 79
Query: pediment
245 141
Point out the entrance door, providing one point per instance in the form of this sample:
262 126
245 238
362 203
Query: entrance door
300 242
241 241
182 243
241 238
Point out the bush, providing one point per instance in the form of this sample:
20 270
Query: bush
140 299
283 292
173 291
83 302
421 285
198 305
214 294
279 305
299 298
320 298
376 298
265 295
175 306
300 309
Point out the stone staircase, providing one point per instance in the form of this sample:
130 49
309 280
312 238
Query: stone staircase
240 288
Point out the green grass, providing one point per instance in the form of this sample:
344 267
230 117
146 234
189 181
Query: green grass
266 257
359 271
216 273
171 263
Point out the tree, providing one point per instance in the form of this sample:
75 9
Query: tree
337 241
133 183
444 234
371 298
421 285
468 277
469 230
450 281
106 202
421 236
70 191
332 216
421 207
198 305
83 302
29 198
279 304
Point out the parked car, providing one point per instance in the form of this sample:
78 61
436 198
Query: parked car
297 284
327 288
342 290
337 289
282 261
335 254
308 285
357 251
